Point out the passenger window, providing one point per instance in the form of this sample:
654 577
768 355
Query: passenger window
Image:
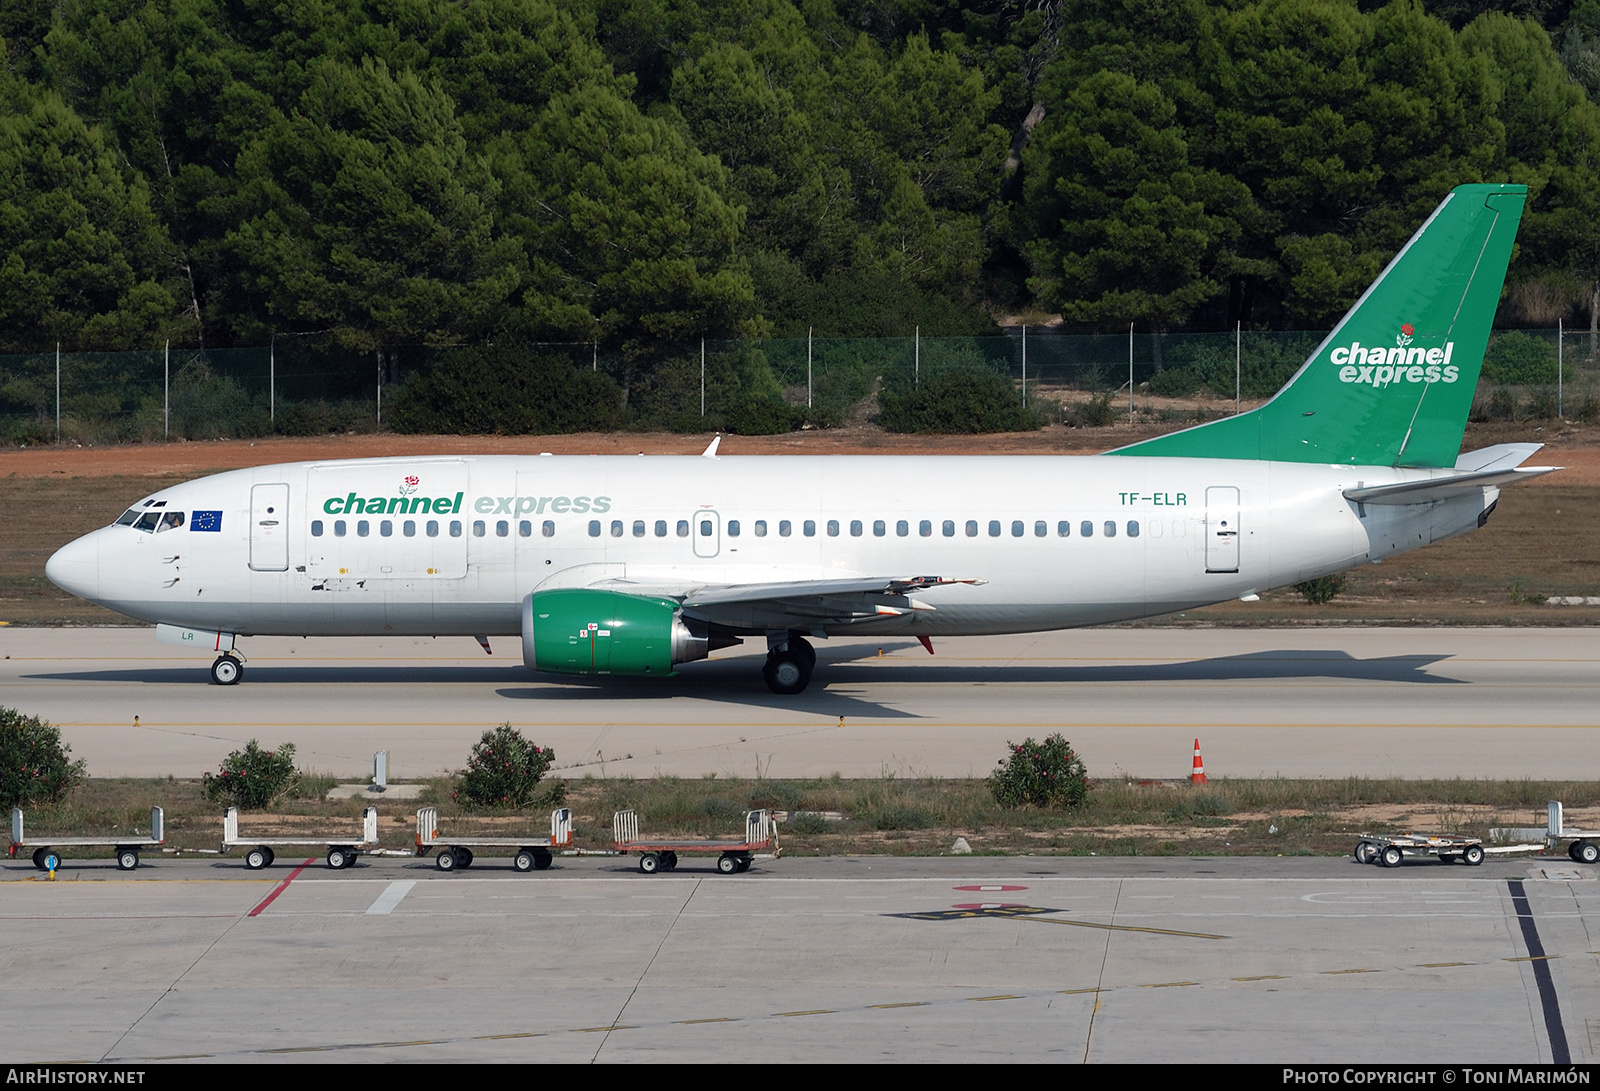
338 528
1016 528
502 529
925 528
1155 529
548 529
683 528
878 528
409 528
316 528
705 528
661 528
638 528
1064 529
949 528
594 528
994 528
1086 529
363 528
761 528
784 528
855 528
524 528
972 528
478 529
1177 528
902 528
455 528
833 528
1111 529
616 528
733 528
1040 530
433 528
1133 528
810 528
386 528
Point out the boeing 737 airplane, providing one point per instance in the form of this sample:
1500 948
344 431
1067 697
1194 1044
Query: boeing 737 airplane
631 566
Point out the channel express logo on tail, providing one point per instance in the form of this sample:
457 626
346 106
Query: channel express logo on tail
1404 363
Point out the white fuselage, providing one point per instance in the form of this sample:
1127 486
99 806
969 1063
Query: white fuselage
303 549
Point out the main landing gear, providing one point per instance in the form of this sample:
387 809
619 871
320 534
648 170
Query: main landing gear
226 670
790 661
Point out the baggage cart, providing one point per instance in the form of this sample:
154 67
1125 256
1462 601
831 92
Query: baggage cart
1582 845
661 853
1391 850
456 852
342 851
46 856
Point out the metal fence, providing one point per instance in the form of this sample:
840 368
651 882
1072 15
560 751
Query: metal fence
302 386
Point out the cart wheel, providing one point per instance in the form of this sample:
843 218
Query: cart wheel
744 864
727 864
1588 852
446 860
1572 851
339 858
649 863
38 857
50 860
669 861
1392 856
1473 856
127 859
271 856
523 860
465 855
1364 852
257 858
542 859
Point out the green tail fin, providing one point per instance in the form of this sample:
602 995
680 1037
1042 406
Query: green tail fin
1392 384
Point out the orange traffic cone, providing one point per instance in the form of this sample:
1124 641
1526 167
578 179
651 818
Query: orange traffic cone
1199 774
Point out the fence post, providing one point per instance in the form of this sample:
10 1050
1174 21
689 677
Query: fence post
1024 364
1238 358
166 391
272 380
379 353
1560 329
809 331
1130 372
916 355
702 376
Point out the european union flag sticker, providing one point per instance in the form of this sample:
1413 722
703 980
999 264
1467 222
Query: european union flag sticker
206 521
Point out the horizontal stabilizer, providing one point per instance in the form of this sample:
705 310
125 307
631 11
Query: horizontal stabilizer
1429 489
1502 456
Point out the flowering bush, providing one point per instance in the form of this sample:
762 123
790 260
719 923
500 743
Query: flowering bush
252 777
34 767
1047 774
504 768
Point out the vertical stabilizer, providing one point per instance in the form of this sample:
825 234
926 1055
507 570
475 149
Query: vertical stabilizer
1392 384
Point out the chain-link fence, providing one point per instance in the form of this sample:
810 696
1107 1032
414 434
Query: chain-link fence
306 386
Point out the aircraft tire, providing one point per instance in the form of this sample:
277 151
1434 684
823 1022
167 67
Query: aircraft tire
787 672
803 646
226 670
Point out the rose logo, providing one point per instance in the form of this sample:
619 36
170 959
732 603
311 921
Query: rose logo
1406 330
410 486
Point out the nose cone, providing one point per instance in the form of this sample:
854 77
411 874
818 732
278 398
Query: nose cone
75 567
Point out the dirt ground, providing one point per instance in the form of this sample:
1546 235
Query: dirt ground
1540 542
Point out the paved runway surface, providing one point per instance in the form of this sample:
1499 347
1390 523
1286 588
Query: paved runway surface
848 960
1323 702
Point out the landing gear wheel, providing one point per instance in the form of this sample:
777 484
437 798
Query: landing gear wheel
127 859
523 860
803 646
257 858
340 858
788 672
1392 857
727 864
1587 852
649 863
669 861
445 861
1365 852
542 860
1473 856
226 670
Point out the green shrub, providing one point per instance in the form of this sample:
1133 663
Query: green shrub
504 769
1097 412
506 390
34 766
1519 358
966 397
1321 590
1175 382
253 777
1047 774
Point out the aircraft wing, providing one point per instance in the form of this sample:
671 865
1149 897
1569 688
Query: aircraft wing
799 603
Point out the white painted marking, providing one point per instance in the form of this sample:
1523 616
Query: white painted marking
392 896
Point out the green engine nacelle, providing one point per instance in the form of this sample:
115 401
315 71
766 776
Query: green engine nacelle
606 632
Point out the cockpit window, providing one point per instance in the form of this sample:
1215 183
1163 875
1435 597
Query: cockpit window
147 522
127 518
172 520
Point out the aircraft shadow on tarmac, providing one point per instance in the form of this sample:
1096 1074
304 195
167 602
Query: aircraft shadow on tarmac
734 680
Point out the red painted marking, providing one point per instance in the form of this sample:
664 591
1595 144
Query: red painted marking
987 888
280 888
986 905
926 643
